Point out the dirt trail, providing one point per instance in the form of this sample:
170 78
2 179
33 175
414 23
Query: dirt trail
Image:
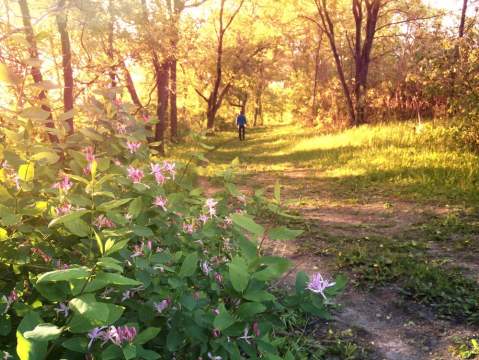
392 328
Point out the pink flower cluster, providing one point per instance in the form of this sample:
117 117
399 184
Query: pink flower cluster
103 222
64 184
90 158
163 172
161 202
133 146
63 209
135 175
10 299
188 228
139 250
11 174
118 335
318 285
162 305
210 205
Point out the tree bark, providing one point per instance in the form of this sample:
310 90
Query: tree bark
162 102
35 71
328 27
130 85
110 50
216 96
173 104
67 64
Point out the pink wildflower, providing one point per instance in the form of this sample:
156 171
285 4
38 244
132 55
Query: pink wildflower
63 209
89 153
256 330
218 278
96 333
62 309
135 175
210 204
161 202
65 184
318 285
205 267
162 305
170 168
216 333
10 299
103 222
203 218
215 312
120 335
188 228
133 146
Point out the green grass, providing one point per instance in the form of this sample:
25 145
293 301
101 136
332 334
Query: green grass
393 159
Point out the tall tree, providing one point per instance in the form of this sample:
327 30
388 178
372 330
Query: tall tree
35 69
216 96
66 64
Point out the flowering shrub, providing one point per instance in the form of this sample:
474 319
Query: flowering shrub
120 256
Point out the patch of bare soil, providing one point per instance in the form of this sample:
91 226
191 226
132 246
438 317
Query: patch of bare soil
394 329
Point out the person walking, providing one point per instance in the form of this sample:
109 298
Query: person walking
241 123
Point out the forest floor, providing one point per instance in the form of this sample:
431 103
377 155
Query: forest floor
393 212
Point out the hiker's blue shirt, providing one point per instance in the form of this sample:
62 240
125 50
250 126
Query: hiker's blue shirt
241 120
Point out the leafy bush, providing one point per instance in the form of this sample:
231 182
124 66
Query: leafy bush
109 253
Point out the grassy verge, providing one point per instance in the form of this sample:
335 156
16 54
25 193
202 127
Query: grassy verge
397 159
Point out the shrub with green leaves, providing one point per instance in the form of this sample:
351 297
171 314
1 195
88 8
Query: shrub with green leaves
108 252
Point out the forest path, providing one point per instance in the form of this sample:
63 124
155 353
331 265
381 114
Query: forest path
338 212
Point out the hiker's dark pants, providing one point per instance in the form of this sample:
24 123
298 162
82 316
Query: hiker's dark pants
241 130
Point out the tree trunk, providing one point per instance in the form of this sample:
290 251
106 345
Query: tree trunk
463 19
329 29
131 87
110 50
35 71
173 105
162 103
314 106
67 64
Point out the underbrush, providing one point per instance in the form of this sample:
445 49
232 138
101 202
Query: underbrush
109 252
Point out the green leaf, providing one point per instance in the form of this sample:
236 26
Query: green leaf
30 349
239 276
89 313
76 344
110 264
248 224
301 282
135 207
112 246
224 320
113 204
77 227
189 265
64 275
5 325
142 231
116 279
26 172
147 335
129 351
35 113
99 242
43 332
249 309
258 295
3 234
92 134
282 233
47 156
68 217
